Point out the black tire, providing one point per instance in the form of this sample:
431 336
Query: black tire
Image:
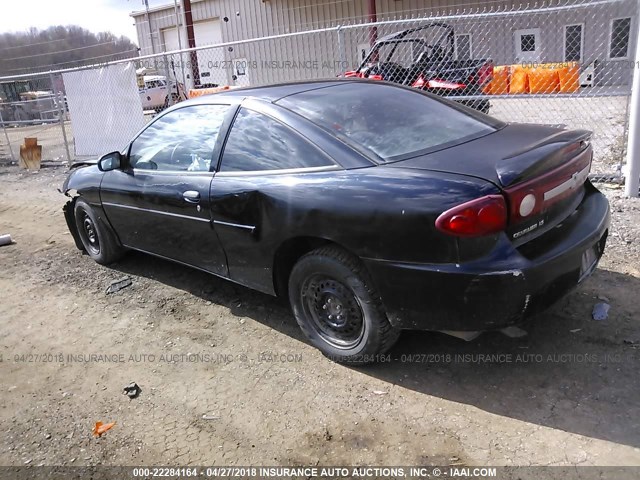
338 308
96 238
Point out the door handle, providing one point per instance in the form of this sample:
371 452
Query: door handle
191 196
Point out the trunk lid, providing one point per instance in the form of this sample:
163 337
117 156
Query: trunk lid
541 170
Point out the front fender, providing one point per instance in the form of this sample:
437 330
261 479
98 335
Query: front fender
69 216
85 182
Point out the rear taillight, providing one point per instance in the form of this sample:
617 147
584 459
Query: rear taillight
525 203
485 74
354 74
533 197
478 217
420 82
438 83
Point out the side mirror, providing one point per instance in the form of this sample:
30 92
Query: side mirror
110 161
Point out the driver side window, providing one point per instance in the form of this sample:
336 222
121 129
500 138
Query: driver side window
182 140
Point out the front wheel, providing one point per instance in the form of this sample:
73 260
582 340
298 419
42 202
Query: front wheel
97 240
338 308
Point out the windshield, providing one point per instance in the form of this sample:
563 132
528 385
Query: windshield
392 122
403 52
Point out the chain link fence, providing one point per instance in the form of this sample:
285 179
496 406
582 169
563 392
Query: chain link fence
560 63
35 108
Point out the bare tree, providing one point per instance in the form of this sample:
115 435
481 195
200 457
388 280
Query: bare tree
60 47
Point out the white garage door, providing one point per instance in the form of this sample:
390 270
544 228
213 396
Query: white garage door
208 33
213 68
170 39
211 62
170 44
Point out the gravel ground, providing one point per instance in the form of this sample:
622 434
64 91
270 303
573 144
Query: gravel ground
227 378
49 135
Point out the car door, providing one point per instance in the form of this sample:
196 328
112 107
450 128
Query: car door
527 45
250 193
145 96
159 202
159 94
153 95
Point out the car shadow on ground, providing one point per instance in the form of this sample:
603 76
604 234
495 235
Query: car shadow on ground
570 372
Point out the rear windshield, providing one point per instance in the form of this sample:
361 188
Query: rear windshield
393 123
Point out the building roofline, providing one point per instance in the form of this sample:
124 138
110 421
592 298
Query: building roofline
138 13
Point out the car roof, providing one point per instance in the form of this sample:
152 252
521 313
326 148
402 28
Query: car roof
403 33
270 93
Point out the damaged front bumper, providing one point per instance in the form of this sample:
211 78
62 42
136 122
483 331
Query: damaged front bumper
491 293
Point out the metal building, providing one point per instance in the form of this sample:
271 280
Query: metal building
600 35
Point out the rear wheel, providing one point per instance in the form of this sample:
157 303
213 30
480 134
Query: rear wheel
97 240
337 307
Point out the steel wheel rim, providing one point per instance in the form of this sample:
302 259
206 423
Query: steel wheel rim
335 312
90 234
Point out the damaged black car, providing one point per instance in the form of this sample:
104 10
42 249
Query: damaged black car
372 207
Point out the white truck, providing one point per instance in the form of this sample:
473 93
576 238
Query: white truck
156 94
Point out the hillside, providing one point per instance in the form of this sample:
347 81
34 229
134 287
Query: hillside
59 47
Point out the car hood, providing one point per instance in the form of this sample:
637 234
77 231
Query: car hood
83 175
84 163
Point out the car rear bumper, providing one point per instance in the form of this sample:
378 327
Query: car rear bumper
502 289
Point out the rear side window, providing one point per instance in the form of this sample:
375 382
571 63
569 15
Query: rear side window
257 142
394 123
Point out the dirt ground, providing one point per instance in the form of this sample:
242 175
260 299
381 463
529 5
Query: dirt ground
227 378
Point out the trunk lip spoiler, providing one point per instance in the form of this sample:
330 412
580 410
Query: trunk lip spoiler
562 136
517 167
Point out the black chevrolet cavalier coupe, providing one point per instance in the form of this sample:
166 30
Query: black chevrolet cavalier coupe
372 207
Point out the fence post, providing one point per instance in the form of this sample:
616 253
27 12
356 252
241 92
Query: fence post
341 50
632 181
168 80
6 135
61 113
